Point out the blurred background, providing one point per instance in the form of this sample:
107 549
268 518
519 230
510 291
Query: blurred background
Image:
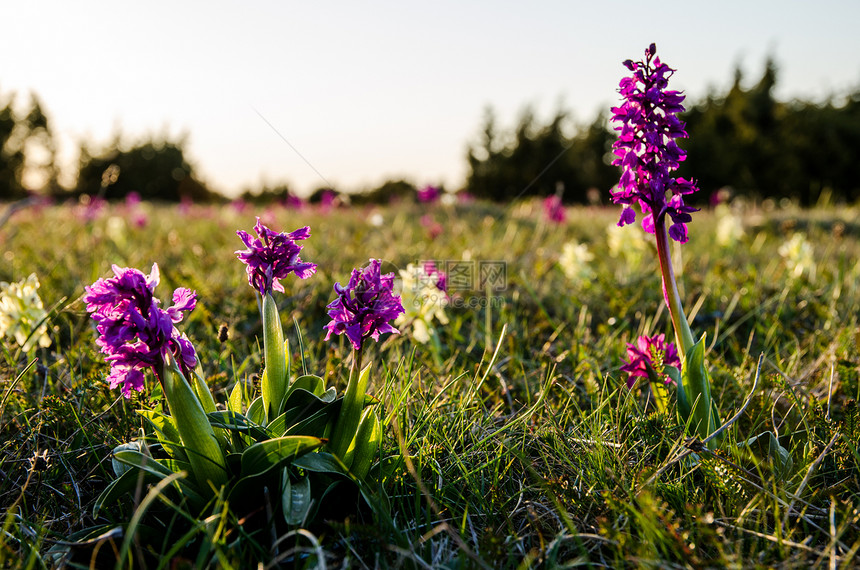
265 101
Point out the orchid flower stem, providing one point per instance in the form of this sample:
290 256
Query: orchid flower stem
683 334
351 407
274 385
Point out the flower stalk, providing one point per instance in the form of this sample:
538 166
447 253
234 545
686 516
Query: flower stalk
648 153
198 438
275 377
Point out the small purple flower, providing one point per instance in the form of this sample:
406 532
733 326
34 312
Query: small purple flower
646 148
365 306
273 256
440 276
650 352
428 194
553 209
293 202
134 333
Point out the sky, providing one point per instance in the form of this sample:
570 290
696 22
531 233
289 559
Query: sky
350 94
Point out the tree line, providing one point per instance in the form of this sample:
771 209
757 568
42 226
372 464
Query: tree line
743 138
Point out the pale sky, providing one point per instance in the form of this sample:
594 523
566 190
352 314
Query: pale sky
365 91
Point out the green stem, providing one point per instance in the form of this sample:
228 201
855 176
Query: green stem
683 334
351 407
274 385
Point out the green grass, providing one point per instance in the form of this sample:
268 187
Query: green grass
525 447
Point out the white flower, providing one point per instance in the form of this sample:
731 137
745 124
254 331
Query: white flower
574 261
21 311
730 227
627 243
422 301
798 256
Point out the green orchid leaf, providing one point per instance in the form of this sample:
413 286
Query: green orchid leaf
197 435
125 483
232 421
266 455
159 469
321 462
256 411
118 466
168 435
318 424
274 382
310 382
367 442
296 499
236 401
201 388
350 413
766 447
697 410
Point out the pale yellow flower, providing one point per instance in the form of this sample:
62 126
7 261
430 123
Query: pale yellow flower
730 227
798 256
422 302
21 311
628 243
574 261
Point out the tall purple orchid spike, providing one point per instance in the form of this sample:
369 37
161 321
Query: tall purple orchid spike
134 333
273 256
647 151
365 306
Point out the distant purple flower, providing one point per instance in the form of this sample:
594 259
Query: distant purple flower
653 352
273 257
440 276
134 332
365 306
239 205
553 209
646 148
293 202
132 200
428 194
434 228
328 200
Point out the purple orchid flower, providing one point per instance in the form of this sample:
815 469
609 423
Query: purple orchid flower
273 256
365 306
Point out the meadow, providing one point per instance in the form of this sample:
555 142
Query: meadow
521 444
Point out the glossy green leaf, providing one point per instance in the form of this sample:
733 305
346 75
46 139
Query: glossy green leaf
694 395
256 412
167 433
296 499
198 437
274 383
321 462
236 401
350 413
367 442
766 446
232 421
266 455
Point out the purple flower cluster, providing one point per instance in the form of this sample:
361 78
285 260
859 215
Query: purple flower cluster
553 209
273 256
650 352
365 306
428 194
134 332
646 148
